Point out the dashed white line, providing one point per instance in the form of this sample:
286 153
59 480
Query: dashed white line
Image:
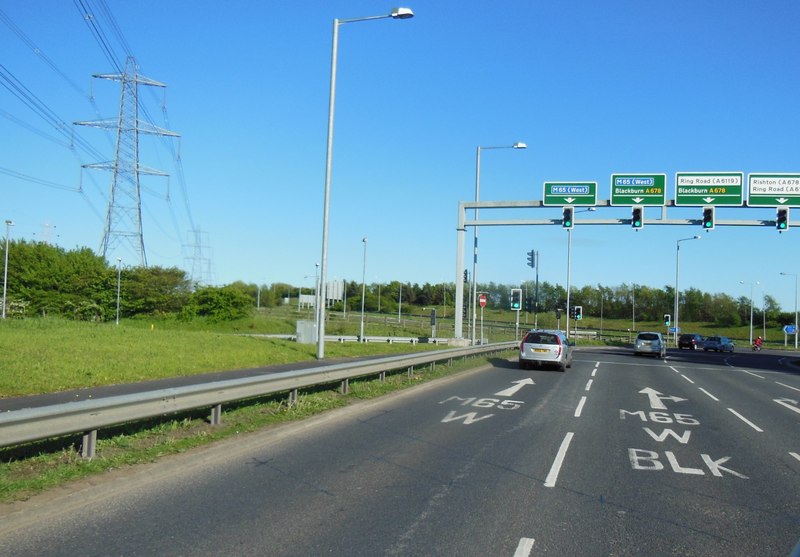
552 476
589 384
579 409
594 372
709 394
524 547
689 380
745 420
751 373
797 456
787 386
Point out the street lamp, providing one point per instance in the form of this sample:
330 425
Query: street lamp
363 288
795 305
751 307
474 297
119 276
396 13
5 268
677 266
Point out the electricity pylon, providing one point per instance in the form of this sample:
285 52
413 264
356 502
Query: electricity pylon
124 213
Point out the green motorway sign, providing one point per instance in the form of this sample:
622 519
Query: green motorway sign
773 190
709 188
570 193
638 189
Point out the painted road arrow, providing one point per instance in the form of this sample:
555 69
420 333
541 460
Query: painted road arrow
511 391
788 403
656 398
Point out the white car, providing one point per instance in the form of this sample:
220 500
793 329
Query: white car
543 347
649 342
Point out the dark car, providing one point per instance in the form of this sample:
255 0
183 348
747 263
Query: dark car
692 341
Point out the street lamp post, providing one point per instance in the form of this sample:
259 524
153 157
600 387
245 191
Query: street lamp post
363 288
474 297
751 307
396 13
119 276
677 296
9 224
795 305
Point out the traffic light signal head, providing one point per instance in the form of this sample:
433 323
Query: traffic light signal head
516 299
578 313
708 218
637 217
532 259
667 319
782 219
567 220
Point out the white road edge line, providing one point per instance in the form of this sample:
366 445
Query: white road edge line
745 420
579 409
550 481
524 547
709 394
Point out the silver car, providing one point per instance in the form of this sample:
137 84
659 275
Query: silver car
718 344
545 347
649 342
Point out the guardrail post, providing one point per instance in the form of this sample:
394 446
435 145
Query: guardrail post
382 376
410 372
345 386
89 444
293 398
216 415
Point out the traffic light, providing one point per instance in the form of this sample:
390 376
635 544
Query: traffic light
567 221
516 299
558 313
532 259
572 312
782 219
637 217
708 218
667 319
466 275
529 305
578 313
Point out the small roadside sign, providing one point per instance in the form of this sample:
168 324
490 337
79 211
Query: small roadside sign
789 329
570 193
773 190
638 189
709 188
673 330
482 300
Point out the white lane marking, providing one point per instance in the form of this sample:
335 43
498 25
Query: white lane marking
594 372
552 476
788 403
689 380
674 369
797 456
745 420
787 386
709 394
524 547
751 373
511 391
589 384
579 409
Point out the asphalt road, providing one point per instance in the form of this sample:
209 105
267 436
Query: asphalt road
698 454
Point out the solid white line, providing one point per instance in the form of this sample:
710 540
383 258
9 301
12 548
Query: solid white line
579 409
787 386
589 384
797 456
689 380
524 548
550 481
745 420
709 394
751 373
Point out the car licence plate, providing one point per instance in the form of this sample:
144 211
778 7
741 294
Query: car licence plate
540 350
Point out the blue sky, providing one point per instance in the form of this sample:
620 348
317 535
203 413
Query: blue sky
593 88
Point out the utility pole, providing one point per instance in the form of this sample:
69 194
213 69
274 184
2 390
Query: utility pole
124 213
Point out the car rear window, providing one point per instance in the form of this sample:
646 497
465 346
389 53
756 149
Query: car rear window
648 336
542 338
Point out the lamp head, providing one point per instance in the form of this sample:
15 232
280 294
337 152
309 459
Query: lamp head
519 145
402 13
